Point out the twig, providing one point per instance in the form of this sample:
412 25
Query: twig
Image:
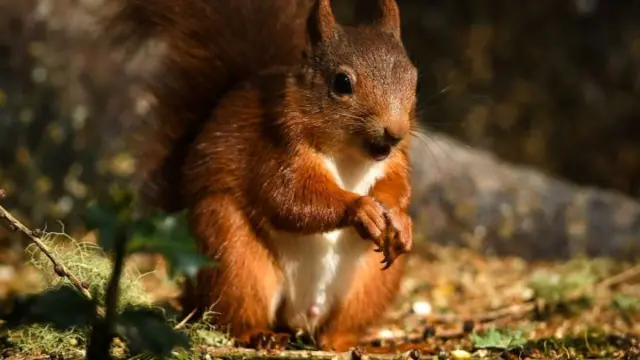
60 269
512 310
619 278
34 236
410 340
184 321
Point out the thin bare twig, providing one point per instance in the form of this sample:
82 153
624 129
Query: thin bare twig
184 321
619 278
60 269
34 236
512 310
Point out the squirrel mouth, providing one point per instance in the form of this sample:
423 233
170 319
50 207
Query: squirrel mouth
378 150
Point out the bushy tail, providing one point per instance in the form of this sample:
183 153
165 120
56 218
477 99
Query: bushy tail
211 45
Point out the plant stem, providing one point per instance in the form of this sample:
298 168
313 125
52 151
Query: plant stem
103 329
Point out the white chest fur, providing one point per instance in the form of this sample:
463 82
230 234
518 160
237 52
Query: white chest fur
318 268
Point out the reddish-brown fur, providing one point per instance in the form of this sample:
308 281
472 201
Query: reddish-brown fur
244 133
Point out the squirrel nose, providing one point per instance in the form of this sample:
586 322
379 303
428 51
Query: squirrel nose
392 137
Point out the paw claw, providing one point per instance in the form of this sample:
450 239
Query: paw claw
389 229
397 239
267 341
388 261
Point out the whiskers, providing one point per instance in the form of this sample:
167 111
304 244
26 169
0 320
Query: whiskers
419 134
443 91
350 116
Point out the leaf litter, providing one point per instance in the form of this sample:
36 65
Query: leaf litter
454 303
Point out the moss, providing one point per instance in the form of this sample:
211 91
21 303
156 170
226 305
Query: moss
39 340
89 263
203 334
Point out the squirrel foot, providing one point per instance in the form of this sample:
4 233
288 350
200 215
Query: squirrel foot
264 340
339 342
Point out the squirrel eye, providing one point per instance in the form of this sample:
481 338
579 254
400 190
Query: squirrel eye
342 84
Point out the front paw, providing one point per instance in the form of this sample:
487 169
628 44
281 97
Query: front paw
398 237
367 216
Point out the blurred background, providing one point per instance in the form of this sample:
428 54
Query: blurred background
551 85
531 147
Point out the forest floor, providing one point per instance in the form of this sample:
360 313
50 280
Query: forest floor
454 303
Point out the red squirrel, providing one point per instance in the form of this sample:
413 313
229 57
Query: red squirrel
285 136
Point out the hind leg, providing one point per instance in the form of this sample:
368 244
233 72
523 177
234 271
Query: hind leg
241 290
365 303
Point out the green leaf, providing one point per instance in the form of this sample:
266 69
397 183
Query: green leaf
146 330
111 216
170 236
496 339
626 303
63 308
106 222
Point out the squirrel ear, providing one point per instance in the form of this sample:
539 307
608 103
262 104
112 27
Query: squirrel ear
381 13
322 23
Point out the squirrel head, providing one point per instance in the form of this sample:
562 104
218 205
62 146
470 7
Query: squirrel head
358 82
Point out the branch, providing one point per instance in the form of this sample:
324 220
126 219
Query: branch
184 321
35 237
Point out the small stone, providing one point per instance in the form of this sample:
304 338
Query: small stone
421 308
7 273
481 353
385 334
460 354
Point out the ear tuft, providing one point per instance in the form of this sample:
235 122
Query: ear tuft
322 23
383 14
